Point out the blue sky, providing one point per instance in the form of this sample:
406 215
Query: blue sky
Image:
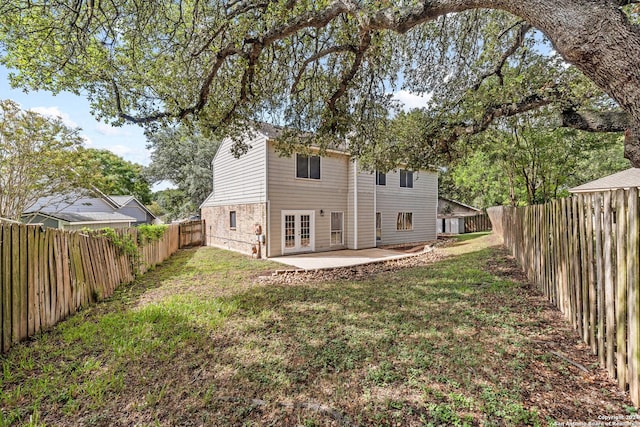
127 141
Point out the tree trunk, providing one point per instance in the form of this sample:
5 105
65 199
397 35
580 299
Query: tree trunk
593 35
598 39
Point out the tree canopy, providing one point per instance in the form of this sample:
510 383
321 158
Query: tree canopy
529 164
330 66
119 176
183 156
39 156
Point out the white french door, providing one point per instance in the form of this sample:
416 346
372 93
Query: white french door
298 231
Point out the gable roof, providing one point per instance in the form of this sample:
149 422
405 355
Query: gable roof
455 202
121 200
626 179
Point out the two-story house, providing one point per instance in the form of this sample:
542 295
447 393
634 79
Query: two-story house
308 203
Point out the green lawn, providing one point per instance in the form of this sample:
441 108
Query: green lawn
202 341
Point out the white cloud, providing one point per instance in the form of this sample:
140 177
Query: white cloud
87 141
120 150
109 130
55 112
131 153
411 100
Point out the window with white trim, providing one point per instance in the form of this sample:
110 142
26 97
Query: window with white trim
307 166
404 221
381 178
378 226
406 178
337 227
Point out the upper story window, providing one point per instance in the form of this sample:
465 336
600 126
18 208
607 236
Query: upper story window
406 178
307 166
381 178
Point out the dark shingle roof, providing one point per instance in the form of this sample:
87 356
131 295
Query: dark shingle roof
90 216
269 130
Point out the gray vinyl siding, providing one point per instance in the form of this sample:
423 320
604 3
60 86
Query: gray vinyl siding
421 201
286 192
136 212
242 180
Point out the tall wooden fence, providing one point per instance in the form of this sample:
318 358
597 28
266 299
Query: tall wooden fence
192 233
48 274
477 223
583 253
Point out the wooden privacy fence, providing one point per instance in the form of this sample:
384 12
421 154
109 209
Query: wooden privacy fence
583 253
47 274
477 223
192 233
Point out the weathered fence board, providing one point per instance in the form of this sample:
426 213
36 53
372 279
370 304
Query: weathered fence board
475 223
584 255
47 274
621 288
191 233
633 294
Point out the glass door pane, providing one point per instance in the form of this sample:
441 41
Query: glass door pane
289 231
305 231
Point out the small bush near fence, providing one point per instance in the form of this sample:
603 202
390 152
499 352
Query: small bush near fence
47 274
584 254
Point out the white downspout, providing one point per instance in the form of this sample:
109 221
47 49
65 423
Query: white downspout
267 232
355 204
375 208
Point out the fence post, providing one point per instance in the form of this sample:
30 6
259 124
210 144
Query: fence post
584 274
599 259
591 288
5 252
633 280
621 288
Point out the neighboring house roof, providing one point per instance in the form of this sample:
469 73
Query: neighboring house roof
61 202
455 202
122 201
626 179
92 217
82 207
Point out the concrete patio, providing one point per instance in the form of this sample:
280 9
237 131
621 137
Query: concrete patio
344 258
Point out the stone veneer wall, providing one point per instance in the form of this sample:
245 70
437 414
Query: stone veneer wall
243 238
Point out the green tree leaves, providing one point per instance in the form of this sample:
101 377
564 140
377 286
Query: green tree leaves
182 155
39 157
118 176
